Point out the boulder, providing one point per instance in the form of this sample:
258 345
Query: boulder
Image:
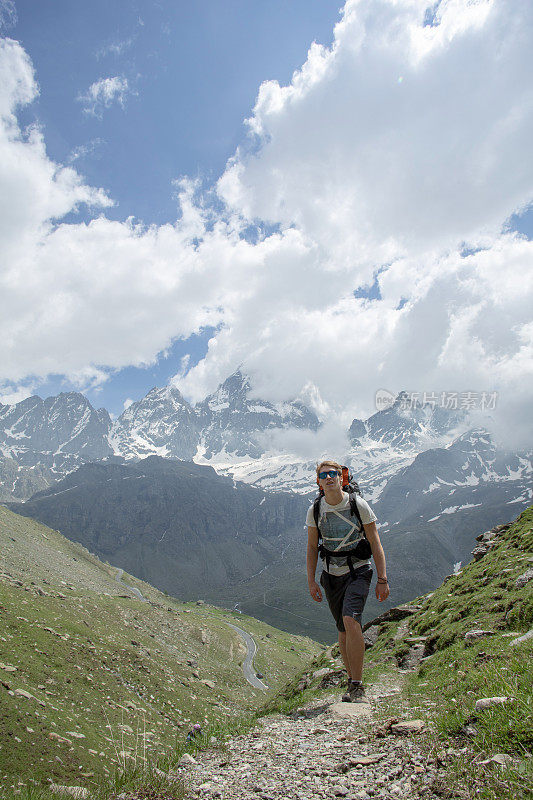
24 693
321 672
502 759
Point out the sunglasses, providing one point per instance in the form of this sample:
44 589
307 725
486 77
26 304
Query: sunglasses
331 473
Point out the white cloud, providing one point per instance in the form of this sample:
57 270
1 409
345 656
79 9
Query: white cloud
103 93
85 150
8 14
372 168
360 173
11 394
115 48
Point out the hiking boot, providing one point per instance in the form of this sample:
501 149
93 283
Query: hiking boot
355 693
346 696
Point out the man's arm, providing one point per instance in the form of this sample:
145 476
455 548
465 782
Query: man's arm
382 588
312 558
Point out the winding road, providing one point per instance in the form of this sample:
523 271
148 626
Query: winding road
136 592
251 647
248 663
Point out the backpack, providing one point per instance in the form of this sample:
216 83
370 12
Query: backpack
362 550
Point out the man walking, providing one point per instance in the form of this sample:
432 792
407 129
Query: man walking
345 577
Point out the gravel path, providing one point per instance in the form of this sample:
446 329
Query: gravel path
328 749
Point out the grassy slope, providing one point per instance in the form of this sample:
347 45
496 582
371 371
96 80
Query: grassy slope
447 684
111 667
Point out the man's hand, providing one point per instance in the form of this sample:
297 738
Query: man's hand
316 594
382 591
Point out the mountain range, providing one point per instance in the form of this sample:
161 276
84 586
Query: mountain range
134 490
42 441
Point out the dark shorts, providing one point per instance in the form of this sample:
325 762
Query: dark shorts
346 596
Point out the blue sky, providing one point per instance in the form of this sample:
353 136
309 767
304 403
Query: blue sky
194 70
381 192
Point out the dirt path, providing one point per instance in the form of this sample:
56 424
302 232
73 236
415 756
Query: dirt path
327 749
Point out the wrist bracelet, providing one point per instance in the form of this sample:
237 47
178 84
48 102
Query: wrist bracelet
382 580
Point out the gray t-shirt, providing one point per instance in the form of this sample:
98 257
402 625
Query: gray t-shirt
341 529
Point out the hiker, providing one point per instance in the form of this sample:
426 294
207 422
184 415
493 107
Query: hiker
344 522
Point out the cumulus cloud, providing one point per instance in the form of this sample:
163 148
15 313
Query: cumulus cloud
374 168
103 93
365 179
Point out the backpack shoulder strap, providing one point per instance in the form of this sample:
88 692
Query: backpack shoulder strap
316 512
354 510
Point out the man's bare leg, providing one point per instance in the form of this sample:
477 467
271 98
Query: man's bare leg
355 648
344 655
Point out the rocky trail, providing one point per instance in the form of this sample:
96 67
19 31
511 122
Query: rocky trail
326 749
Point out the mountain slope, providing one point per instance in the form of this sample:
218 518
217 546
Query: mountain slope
196 534
176 524
86 664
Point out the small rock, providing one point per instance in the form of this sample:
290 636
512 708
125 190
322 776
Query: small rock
371 636
77 735
72 791
341 791
186 760
24 693
523 579
408 726
503 759
321 672
475 635
488 702
364 760
209 684
521 639
469 730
